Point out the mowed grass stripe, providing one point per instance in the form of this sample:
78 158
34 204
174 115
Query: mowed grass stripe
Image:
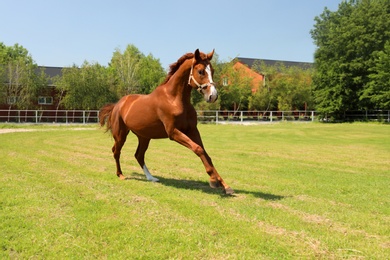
299 193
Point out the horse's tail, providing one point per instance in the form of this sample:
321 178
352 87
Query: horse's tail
105 116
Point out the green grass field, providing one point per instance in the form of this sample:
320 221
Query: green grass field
303 191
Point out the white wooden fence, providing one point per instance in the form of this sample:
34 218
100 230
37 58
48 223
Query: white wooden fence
204 116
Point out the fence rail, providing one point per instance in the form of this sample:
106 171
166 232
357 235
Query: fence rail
50 116
204 116
241 117
367 115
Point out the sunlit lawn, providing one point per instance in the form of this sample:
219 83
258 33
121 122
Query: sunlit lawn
304 190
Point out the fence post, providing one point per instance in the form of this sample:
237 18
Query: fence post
83 116
66 116
312 116
36 116
270 116
216 117
242 116
18 116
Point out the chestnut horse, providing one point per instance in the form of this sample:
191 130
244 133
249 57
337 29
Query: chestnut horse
166 112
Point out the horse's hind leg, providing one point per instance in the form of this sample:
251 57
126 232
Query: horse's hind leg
143 144
120 140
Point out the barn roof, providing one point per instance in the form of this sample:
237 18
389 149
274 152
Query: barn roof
250 61
50 71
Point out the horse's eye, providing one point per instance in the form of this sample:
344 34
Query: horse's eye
201 72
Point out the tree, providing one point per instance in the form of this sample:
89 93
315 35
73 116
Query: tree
150 74
87 87
125 69
293 88
135 73
347 42
235 94
378 90
21 81
3 59
262 100
286 88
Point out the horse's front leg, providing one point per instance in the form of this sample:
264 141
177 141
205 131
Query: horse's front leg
193 141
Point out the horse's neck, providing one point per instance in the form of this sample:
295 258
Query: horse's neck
178 84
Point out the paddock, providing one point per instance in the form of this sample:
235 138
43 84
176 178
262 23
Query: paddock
301 191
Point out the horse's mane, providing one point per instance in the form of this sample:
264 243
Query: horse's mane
175 66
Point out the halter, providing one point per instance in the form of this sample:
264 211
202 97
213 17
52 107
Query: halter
200 86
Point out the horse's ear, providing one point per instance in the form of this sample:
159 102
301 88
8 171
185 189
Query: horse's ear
197 55
210 55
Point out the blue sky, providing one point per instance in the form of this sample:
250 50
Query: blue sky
63 33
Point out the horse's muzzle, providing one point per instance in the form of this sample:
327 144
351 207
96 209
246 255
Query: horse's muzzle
212 95
212 99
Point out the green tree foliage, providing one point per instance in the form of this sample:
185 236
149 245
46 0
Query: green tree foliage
150 74
134 72
125 68
292 89
19 78
262 100
349 41
92 85
87 87
285 88
378 90
235 88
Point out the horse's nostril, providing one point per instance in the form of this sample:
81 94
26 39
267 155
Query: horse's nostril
212 98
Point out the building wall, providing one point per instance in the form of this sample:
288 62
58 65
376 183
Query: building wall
257 79
47 100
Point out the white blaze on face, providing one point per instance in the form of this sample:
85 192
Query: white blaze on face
208 70
213 94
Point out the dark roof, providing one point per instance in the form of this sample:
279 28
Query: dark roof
249 62
51 71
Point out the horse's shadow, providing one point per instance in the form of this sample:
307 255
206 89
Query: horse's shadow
204 187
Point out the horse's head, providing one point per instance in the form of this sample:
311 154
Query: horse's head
201 76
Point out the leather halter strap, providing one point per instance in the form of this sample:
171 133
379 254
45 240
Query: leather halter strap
200 86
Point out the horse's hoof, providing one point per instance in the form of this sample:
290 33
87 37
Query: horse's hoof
214 184
229 191
121 176
153 179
